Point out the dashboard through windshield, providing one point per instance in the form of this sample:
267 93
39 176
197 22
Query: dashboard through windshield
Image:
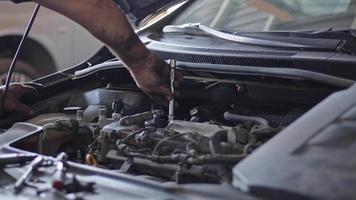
271 15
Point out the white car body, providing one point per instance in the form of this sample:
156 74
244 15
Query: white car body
64 41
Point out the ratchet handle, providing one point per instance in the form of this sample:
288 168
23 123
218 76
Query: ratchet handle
172 79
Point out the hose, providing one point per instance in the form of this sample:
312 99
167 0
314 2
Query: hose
215 142
241 118
183 158
155 150
130 136
136 119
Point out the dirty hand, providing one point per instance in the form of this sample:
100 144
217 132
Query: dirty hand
152 76
12 102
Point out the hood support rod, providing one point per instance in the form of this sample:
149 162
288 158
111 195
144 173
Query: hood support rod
14 60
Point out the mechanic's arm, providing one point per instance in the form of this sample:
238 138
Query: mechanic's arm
107 23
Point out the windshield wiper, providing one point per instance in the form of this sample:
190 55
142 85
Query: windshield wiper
269 39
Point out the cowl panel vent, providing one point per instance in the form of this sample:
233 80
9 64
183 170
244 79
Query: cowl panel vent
223 55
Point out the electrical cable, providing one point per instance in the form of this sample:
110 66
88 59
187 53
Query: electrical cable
14 60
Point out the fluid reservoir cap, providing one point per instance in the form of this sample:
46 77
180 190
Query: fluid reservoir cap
117 106
72 110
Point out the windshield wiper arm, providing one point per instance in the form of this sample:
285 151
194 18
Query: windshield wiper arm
251 40
262 40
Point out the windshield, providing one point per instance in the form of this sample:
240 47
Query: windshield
270 15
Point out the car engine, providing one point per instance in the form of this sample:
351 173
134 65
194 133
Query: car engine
183 151
126 132
101 119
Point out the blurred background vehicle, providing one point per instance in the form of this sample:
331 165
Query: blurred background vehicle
54 43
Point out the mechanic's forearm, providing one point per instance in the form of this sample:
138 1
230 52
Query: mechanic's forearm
107 23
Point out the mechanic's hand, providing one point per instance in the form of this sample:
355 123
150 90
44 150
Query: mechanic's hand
12 102
152 76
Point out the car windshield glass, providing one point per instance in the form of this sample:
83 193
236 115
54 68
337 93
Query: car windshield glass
271 15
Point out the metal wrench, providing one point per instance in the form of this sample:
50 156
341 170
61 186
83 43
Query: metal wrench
28 173
61 160
11 159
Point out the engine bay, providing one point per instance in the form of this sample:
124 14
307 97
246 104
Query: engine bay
123 130
195 147
99 118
